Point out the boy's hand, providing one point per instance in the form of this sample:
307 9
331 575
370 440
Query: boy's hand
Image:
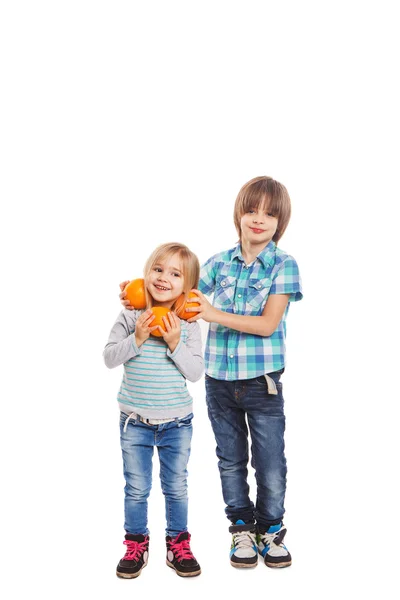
204 311
143 327
124 301
172 335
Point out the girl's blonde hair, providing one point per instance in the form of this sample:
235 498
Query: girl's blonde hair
190 266
268 193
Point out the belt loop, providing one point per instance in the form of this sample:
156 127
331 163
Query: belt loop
271 385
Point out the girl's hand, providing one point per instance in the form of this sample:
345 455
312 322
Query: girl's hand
143 327
204 311
172 335
124 301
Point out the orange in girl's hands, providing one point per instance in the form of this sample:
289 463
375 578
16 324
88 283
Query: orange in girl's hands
135 293
159 312
181 305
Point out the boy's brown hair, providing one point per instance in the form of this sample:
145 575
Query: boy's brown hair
268 193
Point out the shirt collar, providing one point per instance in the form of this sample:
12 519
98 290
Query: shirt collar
266 256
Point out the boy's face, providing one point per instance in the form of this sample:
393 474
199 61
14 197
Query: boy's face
165 281
258 226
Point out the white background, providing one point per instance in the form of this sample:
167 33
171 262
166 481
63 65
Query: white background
128 124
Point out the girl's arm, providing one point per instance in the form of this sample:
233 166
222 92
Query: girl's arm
263 325
188 357
121 345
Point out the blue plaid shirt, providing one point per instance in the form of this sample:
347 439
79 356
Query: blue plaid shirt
244 290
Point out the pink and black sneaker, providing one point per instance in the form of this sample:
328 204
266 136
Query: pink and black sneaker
136 556
180 557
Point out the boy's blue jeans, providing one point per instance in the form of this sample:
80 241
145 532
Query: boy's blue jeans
229 402
173 443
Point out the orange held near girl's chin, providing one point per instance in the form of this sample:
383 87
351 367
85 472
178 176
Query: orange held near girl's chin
159 312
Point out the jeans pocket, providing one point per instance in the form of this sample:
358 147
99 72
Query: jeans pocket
186 421
124 421
261 383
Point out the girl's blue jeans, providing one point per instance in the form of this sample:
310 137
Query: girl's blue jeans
229 404
173 444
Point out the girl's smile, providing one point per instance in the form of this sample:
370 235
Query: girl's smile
161 288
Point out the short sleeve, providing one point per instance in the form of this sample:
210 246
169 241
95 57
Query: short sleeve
207 276
288 280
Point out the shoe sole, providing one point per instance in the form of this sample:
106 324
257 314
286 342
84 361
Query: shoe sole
130 575
192 574
243 565
278 565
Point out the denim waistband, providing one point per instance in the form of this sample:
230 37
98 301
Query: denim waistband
272 389
146 421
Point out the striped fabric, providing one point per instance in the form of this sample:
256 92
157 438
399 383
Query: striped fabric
231 355
152 384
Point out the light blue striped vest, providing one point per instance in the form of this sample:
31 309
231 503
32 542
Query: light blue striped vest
152 386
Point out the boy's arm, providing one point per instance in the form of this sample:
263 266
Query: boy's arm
188 357
286 285
121 345
122 297
207 277
263 325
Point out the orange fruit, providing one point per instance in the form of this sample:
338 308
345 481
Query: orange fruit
159 312
135 293
181 305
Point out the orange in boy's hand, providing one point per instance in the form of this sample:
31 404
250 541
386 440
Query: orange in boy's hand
159 312
181 306
135 293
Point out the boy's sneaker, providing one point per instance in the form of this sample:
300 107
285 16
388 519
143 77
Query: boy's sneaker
180 557
272 548
136 556
244 547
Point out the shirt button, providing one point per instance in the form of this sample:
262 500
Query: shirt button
223 283
231 356
239 295
259 286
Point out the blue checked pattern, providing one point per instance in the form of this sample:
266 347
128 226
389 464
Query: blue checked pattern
231 355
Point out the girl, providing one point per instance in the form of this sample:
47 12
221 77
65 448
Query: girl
156 407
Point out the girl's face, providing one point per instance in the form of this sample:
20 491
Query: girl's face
258 226
165 281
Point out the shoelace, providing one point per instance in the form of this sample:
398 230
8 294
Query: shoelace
244 539
181 549
134 549
273 538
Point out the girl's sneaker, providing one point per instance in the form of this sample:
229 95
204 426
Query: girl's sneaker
136 556
180 557
243 552
272 548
